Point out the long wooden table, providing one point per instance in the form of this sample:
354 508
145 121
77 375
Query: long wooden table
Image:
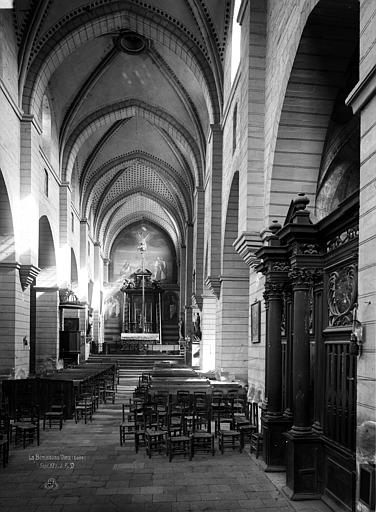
173 377
65 383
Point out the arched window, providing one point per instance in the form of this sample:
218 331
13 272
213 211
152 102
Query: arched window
234 127
46 126
46 184
235 41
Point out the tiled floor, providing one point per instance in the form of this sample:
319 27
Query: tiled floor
83 468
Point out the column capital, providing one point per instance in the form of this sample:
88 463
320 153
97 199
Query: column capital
30 118
273 291
106 261
304 277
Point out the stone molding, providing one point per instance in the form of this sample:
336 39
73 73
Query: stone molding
214 285
196 301
363 92
246 245
27 275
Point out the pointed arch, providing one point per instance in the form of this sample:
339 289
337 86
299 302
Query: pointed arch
46 254
7 241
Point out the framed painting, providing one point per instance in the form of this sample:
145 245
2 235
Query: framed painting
255 322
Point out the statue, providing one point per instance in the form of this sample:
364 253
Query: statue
197 326
181 328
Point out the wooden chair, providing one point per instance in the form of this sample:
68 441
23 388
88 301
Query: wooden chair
257 437
26 426
183 401
4 449
202 438
83 408
155 430
217 404
4 437
53 415
235 401
128 425
227 435
148 419
177 442
243 422
109 390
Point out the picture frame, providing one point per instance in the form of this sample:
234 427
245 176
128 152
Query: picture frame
256 322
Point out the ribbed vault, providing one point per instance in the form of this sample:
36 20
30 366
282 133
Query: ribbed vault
133 88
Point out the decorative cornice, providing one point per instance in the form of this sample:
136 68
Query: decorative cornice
27 275
214 285
246 245
343 238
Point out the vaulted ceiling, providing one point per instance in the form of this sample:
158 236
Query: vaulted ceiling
133 87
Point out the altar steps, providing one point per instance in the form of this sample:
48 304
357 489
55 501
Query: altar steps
131 367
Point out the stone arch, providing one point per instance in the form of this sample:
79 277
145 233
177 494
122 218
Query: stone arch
115 229
115 167
7 241
123 110
326 43
231 350
341 181
105 218
74 270
99 20
46 254
154 245
231 261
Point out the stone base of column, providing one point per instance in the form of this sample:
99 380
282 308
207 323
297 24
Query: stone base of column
274 428
303 462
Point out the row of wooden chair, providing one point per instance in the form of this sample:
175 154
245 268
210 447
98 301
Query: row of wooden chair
162 423
166 429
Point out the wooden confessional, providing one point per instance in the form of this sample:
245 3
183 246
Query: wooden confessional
311 352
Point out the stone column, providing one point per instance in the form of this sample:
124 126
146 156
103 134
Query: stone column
46 328
65 235
96 302
207 360
83 268
188 279
106 263
182 274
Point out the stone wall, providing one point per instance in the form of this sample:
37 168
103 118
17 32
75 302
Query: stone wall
363 101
